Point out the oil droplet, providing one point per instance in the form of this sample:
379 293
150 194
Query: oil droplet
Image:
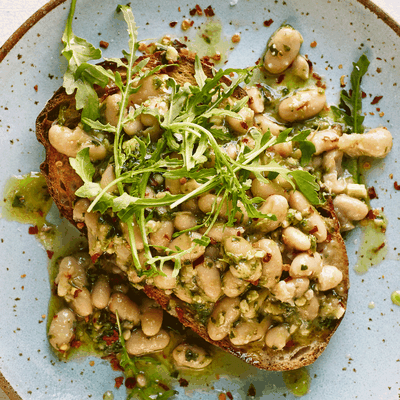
297 381
395 297
108 395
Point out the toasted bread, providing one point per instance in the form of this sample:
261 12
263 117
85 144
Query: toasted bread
63 182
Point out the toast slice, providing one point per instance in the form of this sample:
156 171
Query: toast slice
63 182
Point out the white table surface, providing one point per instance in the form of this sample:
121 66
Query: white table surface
16 12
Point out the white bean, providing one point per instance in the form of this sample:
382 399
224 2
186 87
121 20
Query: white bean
111 112
315 224
61 330
232 286
271 262
283 149
248 331
374 143
224 314
324 140
126 308
265 123
302 105
71 274
162 236
152 86
101 293
139 344
165 282
82 302
191 356
266 189
277 337
108 177
209 280
220 231
350 208
136 233
276 205
310 310
184 220
296 239
241 126
283 47
329 277
256 101
185 242
70 142
238 248
301 68
189 186
332 164
151 317
305 264
250 270
80 209
173 186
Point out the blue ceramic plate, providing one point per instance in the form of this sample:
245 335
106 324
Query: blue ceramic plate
362 360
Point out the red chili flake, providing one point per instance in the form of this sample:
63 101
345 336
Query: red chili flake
130 383
380 247
182 181
313 44
268 23
244 125
288 279
267 257
163 386
328 237
76 293
371 193
180 313
33 230
198 261
316 76
376 100
111 339
371 214
209 12
113 361
40 212
199 10
313 230
396 186
321 85
213 241
192 12
254 283
363 95
173 24
229 394
104 44
310 65
94 257
119 381
290 343
50 254
36 88
280 78
80 225
76 344
183 382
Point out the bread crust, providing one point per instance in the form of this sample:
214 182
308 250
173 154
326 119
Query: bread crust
62 182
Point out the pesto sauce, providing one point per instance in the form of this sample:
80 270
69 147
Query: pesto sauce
373 248
297 381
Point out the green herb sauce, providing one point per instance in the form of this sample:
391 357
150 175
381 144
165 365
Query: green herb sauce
297 381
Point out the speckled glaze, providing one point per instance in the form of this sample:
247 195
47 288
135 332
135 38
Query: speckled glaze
362 360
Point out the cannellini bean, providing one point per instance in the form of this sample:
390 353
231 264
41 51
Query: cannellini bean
224 314
296 239
70 142
101 293
325 140
265 123
151 317
302 105
276 205
299 202
191 356
310 310
220 231
80 209
184 220
82 302
97 233
189 186
190 205
108 177
250 270
301 68
315 224
126 308
162 236
133 127
165 282
248 331
256 101
71 273
350 208
185 242
232 286
208 201
283 149
183 293
173 186
61 330
252 302
290 289
272 264
277 337
374 143
283 48
139 344
209 280
238 248
266 189
136 233
231 149
332 164
111 112
241 126
305 264
152 86
329 277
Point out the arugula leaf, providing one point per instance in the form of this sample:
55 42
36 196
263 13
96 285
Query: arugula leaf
82 165
307 185
199 74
